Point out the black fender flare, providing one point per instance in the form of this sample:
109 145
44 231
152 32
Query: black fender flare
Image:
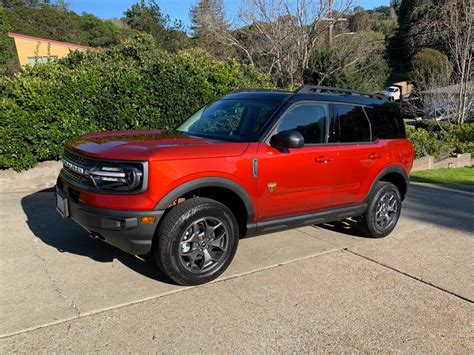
388 170
191 185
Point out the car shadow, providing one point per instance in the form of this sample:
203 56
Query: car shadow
424 203
451 207
68 237
346 226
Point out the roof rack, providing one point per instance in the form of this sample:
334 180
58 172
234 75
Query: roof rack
310 89
257 90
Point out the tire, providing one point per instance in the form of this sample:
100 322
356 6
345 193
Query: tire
190 229
383 210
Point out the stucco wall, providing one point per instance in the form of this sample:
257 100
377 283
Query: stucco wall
30 47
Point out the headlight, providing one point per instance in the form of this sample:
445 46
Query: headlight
117 177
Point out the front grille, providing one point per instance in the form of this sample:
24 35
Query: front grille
79 159
71 175
74 177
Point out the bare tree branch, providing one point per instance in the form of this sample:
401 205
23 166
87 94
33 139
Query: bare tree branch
278 36
453 22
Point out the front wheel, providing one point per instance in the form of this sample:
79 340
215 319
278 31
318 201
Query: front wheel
196 241
383 210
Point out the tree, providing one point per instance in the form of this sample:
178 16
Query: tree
7 52
278 36
53 23
399 49
30 3
354 61
383 19
360 21
452 22
99 33
206 15
62 5
8 4
430 69
147 17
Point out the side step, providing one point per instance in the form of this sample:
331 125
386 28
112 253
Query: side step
274 225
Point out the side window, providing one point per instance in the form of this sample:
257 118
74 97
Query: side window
308 118
386 124
353 124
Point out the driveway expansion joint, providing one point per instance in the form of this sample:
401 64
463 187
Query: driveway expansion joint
151 298
410 276
69 302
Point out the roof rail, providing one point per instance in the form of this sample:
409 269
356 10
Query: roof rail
257 90
310 89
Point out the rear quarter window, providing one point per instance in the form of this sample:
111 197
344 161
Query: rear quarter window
353 124
386 124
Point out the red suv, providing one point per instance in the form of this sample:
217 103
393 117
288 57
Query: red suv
254 162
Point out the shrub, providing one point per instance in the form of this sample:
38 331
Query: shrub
423 142
130 86
465 138
441 139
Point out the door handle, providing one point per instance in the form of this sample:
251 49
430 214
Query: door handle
374 156
323 159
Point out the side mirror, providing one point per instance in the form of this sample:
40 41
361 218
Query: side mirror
287 139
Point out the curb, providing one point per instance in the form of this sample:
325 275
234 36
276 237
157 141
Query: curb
42 176
459 189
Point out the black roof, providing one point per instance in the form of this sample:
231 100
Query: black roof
346 96
263 95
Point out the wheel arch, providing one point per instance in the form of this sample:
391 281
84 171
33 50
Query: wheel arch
223 190
394 174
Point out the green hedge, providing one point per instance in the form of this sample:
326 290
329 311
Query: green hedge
441 139
131 86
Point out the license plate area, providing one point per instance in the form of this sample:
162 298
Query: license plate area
62 205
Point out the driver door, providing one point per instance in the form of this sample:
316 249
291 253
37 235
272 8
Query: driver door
300 180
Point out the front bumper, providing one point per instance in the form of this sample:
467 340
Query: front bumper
116 227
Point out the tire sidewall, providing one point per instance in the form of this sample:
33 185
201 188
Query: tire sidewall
370 216
170 257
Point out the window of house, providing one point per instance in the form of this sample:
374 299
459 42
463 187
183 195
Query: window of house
308 118
41 59
353 124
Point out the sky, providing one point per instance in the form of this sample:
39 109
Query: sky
176 9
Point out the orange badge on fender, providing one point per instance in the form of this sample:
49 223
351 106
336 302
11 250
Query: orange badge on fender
272 186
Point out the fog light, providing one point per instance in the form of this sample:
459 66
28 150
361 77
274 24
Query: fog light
147 219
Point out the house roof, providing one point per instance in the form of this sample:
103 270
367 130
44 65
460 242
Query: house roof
39 39
451 89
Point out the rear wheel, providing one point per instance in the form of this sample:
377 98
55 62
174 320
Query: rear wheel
196 241
383 210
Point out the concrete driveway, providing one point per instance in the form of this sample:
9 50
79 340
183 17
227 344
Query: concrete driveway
322 288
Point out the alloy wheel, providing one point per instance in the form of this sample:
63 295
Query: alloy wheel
386 211
203 245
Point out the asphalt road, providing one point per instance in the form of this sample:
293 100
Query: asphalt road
321 288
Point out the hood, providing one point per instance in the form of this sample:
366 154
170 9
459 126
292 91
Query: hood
153 145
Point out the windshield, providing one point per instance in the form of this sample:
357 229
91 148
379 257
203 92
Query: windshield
236 120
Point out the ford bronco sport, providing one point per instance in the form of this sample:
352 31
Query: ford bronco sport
254 162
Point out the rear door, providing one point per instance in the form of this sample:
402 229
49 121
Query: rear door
360 156
389 128
299 180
